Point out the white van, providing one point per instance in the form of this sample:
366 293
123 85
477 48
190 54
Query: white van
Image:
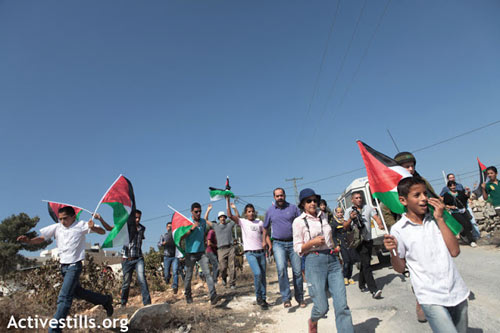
344 201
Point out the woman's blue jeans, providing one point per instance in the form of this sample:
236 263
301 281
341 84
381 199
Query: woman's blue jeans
257 262
323 272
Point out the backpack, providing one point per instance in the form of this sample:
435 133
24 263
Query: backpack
353 237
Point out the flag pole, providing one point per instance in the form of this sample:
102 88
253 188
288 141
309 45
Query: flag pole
172 208
100 201
383 221
63 203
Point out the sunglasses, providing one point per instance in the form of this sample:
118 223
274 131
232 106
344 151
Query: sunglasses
311 200
196 211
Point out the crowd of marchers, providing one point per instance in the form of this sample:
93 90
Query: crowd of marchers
321 246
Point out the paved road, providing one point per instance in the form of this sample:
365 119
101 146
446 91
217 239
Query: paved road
479 267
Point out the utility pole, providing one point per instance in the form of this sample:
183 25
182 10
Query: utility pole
294 180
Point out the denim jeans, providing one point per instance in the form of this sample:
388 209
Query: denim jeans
475 228
323 272
257 262
212 259
201 258
174 263
283 251
447 318
128 267
348 257
71 288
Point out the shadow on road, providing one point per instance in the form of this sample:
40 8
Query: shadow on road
368 326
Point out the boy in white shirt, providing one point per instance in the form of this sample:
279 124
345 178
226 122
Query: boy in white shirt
70 238
424 243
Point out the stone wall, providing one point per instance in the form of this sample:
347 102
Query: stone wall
485 216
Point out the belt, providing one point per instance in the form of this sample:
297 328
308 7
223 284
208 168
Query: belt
224 246
255 251
130 259
283 240
322 252
76 262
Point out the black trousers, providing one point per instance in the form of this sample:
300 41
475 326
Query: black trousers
365 273
466 233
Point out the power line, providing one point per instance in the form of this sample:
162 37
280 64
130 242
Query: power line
365 53
325 51
457 136
359 169
341 68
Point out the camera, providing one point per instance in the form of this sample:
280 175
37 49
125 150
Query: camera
357 220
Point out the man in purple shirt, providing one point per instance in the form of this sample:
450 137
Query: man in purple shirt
280 217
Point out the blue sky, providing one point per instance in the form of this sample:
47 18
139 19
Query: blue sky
176 95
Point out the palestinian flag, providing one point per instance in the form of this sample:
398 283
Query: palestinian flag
218 194
180 226
55 206
120 196
482 178
384 175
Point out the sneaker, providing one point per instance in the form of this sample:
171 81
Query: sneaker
189 300
263 304
175 290
473 244
346 281
351 281
108 306
214 300
364 290
377 294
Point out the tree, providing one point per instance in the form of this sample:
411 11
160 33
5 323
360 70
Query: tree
11 228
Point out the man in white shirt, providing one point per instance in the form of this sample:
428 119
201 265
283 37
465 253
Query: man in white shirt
70 239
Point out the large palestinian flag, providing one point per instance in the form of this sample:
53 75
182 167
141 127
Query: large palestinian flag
180 226
384 175
54 207
482 178
120 197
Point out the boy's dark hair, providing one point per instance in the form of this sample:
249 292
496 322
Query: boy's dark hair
451 182
405 185
249 206
448 175
492 168
68 210
138 211
323 201
195 205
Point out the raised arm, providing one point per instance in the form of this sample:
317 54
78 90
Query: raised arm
95 228
209 208
104 224
449 238
236 216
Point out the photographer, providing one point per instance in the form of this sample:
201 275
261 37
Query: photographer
359 215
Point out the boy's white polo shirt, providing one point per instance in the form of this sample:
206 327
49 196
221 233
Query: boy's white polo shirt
70 241
434 276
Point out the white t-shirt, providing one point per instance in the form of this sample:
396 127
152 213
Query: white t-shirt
433 273
251 232
70 241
